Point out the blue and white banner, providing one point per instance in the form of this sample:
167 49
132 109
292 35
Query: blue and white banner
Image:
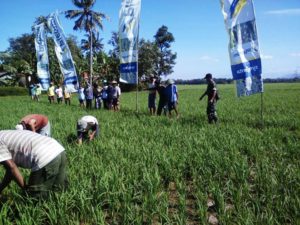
40 42
63 54
129 17
243 46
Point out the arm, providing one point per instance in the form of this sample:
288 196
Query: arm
32 125
12 173
213 96
92 135
202 96
94 132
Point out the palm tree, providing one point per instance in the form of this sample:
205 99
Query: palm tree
87 20
97 43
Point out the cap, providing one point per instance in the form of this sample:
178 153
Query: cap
81 126
19 127
170 81
208 76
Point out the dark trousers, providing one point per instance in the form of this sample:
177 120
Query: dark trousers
51 177
211 112
68 101
89 103
162 105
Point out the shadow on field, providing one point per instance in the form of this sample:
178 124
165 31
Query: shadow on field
131 112
3 200
71 139
193 121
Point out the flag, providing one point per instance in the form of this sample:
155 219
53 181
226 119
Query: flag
129 17
243 46
40 42
63 54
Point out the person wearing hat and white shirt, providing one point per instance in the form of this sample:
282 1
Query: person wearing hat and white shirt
43 155
36 123
115 94
87 127
172 96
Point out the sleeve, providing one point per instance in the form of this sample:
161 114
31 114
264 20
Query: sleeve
4 153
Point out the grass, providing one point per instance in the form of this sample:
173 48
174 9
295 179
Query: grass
156 170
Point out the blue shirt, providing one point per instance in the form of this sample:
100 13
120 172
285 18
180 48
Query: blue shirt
171 92
81 95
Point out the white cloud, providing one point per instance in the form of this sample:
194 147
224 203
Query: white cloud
294 54
208 58
284 12
266 56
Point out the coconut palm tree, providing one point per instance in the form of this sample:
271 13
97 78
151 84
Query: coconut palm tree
97 43
87 20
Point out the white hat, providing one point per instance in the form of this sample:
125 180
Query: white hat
19 127
170 81
81 125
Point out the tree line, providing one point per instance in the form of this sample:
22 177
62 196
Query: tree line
155 56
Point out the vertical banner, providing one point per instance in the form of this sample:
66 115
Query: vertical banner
40 42
243 46
129 17
63 54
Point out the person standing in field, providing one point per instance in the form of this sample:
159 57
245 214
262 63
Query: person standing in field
97 96
152 95
67 96
43 155
51 93
89 96
38 92
59 94
115 95
212 98
163 98
104 95
172 97
87 128
32 88
81 96
36 123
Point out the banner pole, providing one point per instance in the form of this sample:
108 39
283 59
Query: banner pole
137 74
261 109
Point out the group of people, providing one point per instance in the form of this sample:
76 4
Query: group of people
108 95
61 93
168 97
30 146
35 90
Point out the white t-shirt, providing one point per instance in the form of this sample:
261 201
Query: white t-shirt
28 149
59 92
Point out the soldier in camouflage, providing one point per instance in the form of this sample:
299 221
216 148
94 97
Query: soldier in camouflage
212 98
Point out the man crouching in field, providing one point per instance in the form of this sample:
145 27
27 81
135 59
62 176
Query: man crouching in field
43 155
87 128
36 123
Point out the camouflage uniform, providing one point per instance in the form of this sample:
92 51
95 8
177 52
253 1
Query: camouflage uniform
211 106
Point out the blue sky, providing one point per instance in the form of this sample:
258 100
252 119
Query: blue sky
201 41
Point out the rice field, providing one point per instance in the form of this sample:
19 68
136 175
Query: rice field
156 170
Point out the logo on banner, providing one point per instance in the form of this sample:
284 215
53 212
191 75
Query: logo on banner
236 7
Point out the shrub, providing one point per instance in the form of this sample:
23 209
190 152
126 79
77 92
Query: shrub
13 91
